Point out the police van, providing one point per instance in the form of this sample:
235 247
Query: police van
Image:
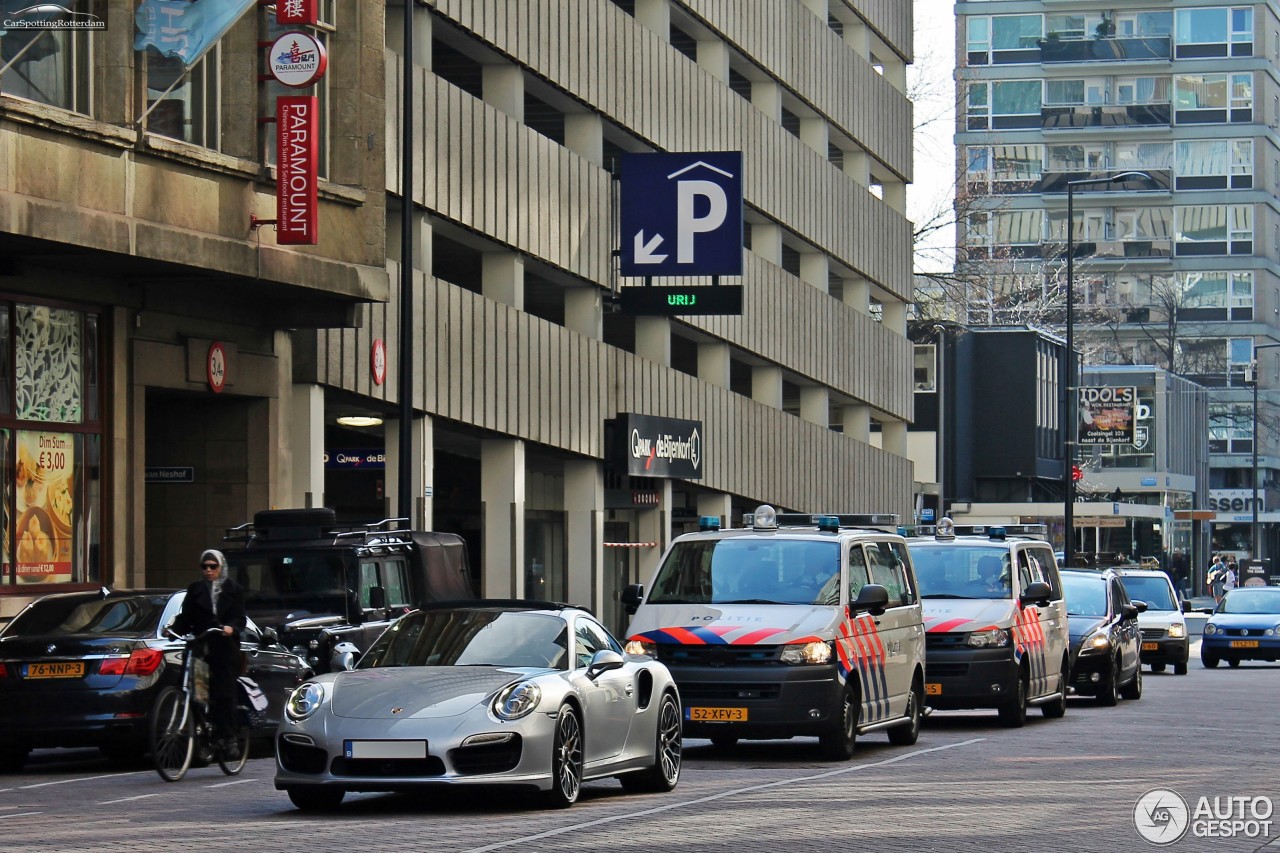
794 625
995 619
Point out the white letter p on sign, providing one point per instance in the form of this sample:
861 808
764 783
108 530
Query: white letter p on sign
687 224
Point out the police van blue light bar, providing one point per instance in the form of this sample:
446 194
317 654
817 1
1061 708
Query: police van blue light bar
708 523
829 523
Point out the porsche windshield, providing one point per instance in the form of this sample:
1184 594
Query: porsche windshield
769 570
479 637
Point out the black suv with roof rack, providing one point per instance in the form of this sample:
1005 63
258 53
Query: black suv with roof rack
320 584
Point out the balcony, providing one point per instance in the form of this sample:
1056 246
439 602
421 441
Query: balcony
1056 182
1106 49
1105 250
1075 116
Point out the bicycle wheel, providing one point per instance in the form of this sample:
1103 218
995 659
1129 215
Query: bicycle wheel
172 730
233 762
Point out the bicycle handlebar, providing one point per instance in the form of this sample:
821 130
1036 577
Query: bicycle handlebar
189 637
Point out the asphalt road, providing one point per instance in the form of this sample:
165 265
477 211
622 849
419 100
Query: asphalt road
1069 784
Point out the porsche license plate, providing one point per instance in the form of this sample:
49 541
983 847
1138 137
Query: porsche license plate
716 715
384 749
1151 647
932 689
68 669
1244 644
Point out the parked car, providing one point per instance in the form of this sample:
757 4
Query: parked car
327 587
491 693
1105 640
85 668
1163 625
1244 626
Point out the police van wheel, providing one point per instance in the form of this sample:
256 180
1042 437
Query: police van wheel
838 744
1058 708
908 734
1013 714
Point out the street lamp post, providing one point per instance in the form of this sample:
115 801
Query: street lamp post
1253 370
941 453
1070 417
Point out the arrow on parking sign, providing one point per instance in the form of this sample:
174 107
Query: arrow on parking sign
644 251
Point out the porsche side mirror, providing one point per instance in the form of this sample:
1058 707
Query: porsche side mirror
604 661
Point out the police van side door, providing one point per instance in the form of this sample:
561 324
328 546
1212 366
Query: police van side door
899 627
859 648
1049 622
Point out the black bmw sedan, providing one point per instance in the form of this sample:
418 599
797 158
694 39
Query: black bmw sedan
85 668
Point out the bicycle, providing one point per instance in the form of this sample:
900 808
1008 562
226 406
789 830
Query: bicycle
179 724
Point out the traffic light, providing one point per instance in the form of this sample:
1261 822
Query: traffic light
1076 474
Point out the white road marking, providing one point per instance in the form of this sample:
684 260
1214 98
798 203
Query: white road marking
84 779
19 814
713 797
127 799
236 782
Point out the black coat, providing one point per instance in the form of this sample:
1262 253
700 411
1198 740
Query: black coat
197 613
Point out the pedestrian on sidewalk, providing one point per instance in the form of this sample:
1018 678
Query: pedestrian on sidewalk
1216 577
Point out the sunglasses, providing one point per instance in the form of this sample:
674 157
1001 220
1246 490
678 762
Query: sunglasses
210 566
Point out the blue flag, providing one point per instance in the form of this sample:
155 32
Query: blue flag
186 29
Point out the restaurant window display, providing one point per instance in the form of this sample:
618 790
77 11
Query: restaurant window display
50 445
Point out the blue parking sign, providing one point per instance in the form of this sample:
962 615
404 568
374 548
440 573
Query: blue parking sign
681 214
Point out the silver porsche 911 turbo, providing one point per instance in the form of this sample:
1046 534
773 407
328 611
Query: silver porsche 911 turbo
511 693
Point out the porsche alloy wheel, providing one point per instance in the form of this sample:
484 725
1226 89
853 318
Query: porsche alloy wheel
566 760
665 771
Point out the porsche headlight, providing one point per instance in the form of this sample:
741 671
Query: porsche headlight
816 652
516 701
641 647
1210 628
991 638
304 701
1177 631
1096 643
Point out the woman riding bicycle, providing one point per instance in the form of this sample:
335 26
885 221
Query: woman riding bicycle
217 601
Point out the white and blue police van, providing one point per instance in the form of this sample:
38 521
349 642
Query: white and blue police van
794 625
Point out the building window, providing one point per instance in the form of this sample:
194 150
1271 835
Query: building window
1230 428
52 67
925 374
184 104
1215 295
1214 229
1214 164
50 445
1213 98
1004 39
1004 169
1004 104
1218 31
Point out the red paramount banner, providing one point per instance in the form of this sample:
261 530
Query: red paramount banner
297 124
292 12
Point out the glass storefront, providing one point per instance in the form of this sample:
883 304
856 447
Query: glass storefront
50 445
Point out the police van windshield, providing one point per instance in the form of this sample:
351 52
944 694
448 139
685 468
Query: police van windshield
951 572
749 571
1156 592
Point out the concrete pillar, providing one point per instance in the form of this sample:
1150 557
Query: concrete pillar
766 241
895 71
584 135
766 96
656 16
584 311
424 450
895 316
584 531
502 495
766 385
857 294
815 270
422 447
857 165
653 339
814 133
717 504
393 36
421 242
894 437
503 87
894 194
819 8
815 405
856 421
713 364
713 57
858 37
502 278
306 444
654 525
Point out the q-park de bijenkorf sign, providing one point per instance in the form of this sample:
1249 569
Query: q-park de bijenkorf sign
681 214
1107 415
